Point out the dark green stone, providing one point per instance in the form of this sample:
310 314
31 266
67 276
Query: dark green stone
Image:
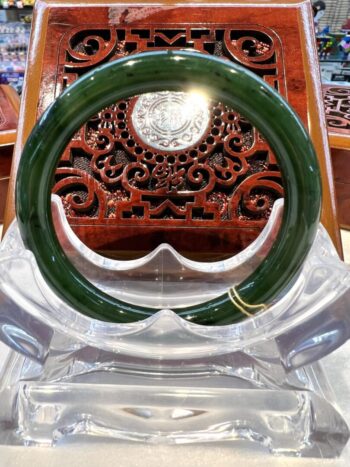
156 71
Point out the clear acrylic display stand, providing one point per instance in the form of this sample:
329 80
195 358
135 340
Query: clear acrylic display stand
166 380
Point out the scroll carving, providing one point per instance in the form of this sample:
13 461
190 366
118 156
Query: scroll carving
337 105
111 173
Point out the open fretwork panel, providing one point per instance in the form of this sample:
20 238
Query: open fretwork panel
174 167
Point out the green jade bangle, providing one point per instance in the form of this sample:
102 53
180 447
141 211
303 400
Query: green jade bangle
174 71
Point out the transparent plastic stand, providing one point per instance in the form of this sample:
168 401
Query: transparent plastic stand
166 380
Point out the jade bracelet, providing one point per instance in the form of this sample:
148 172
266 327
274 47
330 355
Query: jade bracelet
173 71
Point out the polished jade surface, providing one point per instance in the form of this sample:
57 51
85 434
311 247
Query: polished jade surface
175 71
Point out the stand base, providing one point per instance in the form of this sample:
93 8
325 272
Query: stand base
188 404
296 423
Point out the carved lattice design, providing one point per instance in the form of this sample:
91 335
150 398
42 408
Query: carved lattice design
337 104
109 175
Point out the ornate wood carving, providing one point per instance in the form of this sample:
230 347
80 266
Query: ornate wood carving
109 174
337 105
69 39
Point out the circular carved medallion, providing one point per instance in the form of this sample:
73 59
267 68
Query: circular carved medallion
171 121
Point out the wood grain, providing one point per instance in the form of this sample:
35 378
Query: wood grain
57 57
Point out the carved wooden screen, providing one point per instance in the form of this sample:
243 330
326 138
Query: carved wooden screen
337 104
124 196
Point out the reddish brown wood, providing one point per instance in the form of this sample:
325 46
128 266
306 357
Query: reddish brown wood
5 168
341 165
9 107
5 160
106 160
343 196
111 182
8 111
337 105
110 178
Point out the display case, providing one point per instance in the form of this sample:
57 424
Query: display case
166 293
14 39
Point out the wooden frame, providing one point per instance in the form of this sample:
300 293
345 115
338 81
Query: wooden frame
300 83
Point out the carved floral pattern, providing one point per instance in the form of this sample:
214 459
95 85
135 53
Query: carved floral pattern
110 174
337 104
